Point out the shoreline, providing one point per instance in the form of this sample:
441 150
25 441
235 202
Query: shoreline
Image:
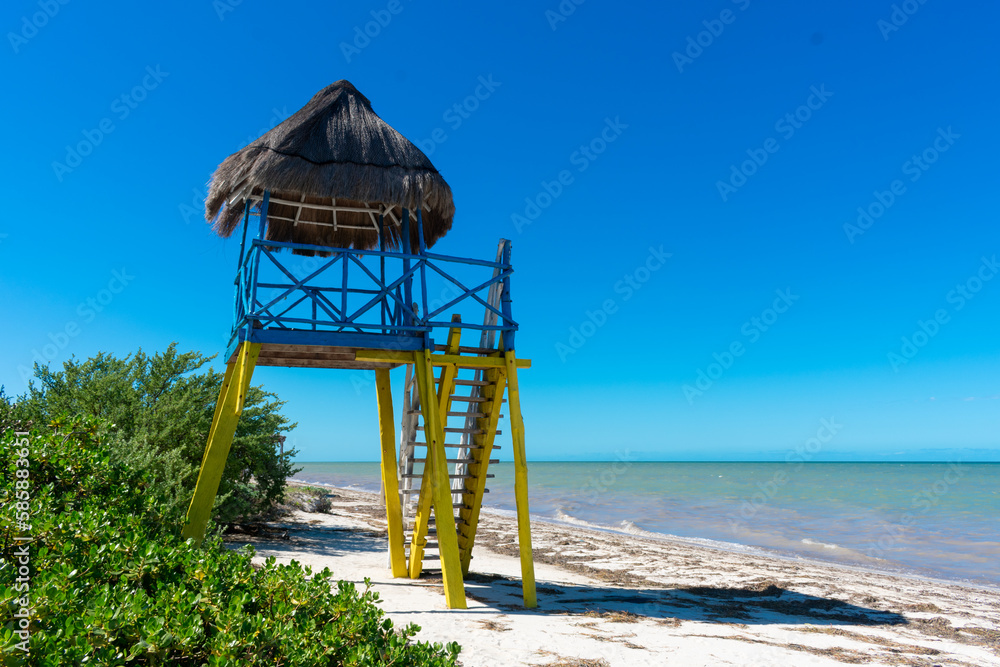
609 598
705 543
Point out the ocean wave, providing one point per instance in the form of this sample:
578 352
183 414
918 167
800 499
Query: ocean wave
328 485
825 545
562 517
842 554
815 551
630 528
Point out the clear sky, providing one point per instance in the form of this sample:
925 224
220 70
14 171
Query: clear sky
740 138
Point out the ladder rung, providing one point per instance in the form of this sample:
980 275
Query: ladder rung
431 531
456 461
413 492
471 399
470 431
454 444
466 476
473 383
475 414
433 520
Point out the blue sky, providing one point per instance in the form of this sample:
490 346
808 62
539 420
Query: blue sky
741 138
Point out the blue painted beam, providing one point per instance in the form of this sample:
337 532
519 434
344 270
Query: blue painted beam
331 339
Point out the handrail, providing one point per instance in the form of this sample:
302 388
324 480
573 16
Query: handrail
377 253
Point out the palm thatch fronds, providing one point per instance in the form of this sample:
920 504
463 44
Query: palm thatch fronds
333 153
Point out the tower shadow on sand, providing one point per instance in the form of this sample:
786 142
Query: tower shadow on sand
768 605
750 605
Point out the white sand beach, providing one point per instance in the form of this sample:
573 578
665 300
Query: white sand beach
613 599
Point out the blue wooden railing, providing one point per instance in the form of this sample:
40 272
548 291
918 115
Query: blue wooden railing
367 292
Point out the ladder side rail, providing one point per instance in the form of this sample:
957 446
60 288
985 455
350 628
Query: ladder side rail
486 341
408 431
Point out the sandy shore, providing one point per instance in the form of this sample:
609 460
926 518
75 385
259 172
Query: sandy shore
612 599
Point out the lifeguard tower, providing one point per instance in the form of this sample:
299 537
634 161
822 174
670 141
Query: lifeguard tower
338 186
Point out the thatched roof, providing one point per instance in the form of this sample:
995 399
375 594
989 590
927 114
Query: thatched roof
333 153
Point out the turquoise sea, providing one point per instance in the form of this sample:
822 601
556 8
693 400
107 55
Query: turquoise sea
939 520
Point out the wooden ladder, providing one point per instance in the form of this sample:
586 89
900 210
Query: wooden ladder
477 433
471 400
467 385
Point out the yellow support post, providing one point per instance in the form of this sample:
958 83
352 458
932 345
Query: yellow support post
220 439
424 499
219 402
520 482
390 482
444 510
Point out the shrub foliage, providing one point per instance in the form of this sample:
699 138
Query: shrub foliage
162 407
110 583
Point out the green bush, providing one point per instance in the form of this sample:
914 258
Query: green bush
8 417
111 584
162 407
